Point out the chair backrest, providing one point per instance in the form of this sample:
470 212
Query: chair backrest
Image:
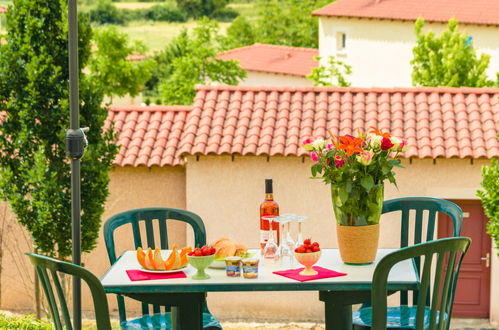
149 216
448 253
58 306
421 207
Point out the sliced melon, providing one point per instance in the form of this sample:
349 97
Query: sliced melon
141 257
150 259
159 263
172 258
183 256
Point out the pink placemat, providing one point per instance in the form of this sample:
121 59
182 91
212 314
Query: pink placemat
138 275
322 273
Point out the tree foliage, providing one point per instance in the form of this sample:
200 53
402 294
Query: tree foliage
448 59
34 170
490 198
280 22
193 60
200 8
109 64
331 74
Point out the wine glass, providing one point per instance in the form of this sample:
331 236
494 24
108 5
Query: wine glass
284 249
271 250
299 219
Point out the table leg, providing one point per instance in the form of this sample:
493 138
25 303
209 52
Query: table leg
187 317
338 317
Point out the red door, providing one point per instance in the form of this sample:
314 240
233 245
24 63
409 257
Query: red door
473 287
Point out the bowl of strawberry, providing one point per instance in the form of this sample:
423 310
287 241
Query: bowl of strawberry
308 254
200 258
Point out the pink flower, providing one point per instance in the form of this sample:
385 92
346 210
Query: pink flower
365 158
307 145
386 143
314 156
330 146
338 161
403 146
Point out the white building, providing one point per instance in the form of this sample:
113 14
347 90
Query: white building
376 37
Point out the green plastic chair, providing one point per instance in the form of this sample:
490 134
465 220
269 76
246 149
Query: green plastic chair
150 216
419 207
448 254
45 266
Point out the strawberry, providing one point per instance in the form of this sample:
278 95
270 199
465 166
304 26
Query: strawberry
316 249
206 251
213 250
198 253
190 253
300 249
306 241
315 244
309 251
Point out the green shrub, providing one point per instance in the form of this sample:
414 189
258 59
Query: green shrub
225 14
490 198
167 13
107 13
25 322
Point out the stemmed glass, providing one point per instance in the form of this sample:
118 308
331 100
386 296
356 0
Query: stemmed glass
284 249
271 250
299 219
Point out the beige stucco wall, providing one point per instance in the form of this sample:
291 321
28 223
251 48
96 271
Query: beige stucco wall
129 188
229 200
380 51
256 78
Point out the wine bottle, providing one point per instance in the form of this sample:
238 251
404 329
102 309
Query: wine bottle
268 207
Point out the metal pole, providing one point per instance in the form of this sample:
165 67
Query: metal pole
75 161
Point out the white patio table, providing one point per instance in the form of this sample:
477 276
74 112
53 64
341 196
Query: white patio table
338 293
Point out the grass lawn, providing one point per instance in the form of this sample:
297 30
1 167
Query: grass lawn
157 34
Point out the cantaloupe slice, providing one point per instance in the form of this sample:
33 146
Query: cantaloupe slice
183 256
141 257
159 263
172 258
150 259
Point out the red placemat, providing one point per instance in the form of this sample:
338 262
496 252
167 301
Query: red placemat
322 273
138 275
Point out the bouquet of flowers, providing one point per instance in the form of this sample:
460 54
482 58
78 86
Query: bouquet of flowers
356 167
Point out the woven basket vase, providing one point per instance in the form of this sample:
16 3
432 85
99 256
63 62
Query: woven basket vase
358 244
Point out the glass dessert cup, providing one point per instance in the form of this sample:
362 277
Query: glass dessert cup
308 260
200 263
271 249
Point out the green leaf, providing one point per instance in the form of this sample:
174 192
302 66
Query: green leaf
367 182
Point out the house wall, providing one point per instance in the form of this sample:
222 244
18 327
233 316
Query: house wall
256 78
229 200
380 51
130 187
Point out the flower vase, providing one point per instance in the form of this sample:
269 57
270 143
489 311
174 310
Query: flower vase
357 209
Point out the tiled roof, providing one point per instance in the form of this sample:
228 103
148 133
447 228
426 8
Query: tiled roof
465 11
148 136
294 61
436 122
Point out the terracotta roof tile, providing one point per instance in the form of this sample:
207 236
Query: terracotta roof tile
465 11
293 61
437 122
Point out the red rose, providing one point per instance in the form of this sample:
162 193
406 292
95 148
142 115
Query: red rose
386 144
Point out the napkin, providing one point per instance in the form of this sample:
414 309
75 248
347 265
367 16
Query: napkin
321 273
138 275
